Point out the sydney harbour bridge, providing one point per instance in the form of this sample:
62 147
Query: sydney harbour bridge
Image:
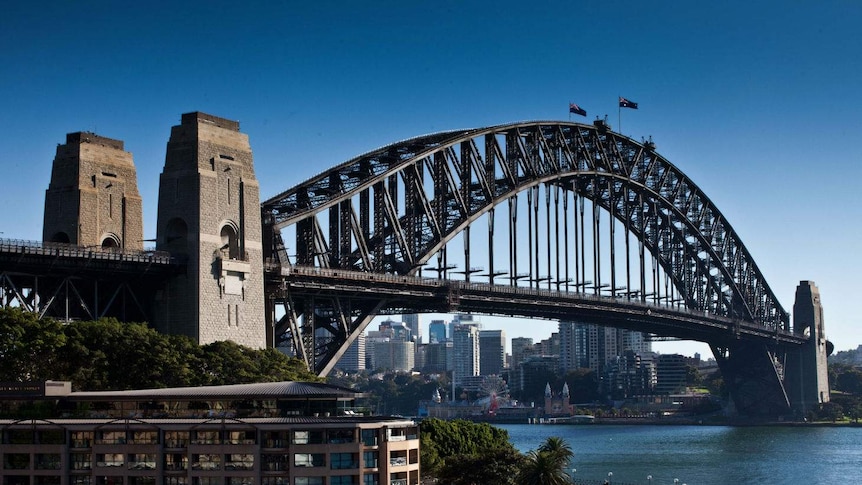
549 220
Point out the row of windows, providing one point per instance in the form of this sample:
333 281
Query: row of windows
181 439
368 479
204 461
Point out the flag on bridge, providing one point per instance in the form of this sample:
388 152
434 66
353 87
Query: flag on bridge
573 108
625 103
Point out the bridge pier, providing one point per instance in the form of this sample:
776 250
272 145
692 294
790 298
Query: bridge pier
752 373
807 377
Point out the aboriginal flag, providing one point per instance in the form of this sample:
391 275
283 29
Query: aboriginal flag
573 108
625 103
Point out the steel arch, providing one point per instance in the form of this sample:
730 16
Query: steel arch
451 179
448 184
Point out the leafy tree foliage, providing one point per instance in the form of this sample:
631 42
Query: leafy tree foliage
28 346
441 441
393 393
109 355
548 465
499 467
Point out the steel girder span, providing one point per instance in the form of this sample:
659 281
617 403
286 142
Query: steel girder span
394 209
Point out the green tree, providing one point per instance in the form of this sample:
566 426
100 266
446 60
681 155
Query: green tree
559 448
542 468
441 440
497 466
28 346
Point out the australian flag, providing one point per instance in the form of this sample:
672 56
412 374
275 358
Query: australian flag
625 103
573 108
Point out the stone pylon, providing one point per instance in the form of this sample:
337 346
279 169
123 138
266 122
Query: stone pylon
92 199
807 376
209 215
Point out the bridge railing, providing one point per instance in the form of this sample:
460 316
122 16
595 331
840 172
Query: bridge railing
42 248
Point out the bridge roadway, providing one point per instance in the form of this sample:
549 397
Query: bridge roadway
409 294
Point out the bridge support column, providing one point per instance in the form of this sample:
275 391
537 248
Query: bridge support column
807 377
753 376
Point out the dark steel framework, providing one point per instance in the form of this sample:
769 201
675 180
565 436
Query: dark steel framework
394 209
69 282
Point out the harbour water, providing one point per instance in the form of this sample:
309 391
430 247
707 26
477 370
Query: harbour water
705 455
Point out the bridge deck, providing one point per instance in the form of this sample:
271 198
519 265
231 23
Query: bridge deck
408 294
33 257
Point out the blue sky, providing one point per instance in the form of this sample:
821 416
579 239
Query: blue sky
756 101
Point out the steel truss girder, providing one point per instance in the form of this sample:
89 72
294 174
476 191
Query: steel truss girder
70 297
451 185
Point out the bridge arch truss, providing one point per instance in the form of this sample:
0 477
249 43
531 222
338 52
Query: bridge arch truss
395 210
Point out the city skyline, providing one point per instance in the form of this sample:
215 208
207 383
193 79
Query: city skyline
754 102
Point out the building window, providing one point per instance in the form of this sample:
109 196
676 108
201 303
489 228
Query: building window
307 437
414 456
274 481
16 461
52 437
110 460
371 479
176 481
341 461
176 462
47 461
309 459
111 438
344 480
81 439
369 437
145 437
80 461
239 481
142 480
176 439
206 438
308 481
398 458
274 463
369 459
142 461
239 461
337 436
206 462
80 481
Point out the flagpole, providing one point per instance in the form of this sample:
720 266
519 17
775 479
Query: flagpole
619 116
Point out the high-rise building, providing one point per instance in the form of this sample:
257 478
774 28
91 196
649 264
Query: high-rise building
436 331
353 359
465 350
584 345
492 352
394 355
412 322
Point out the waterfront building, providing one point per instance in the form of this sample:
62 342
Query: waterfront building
279 433
671 371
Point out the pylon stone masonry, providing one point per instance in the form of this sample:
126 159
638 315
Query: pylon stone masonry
209 213
92 199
